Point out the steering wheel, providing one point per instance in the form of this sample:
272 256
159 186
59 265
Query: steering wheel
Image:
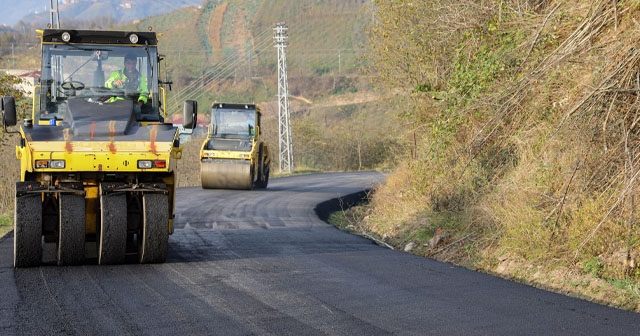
72 85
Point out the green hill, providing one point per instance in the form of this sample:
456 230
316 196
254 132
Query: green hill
225 51
231 48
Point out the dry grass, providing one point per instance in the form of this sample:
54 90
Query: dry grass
215 25
6 224
189 165
539 173
10 168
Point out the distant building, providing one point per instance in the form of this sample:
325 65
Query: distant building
29 78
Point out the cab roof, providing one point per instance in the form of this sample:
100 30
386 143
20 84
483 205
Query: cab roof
99 36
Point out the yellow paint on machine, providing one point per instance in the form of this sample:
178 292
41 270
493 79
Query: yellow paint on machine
101 157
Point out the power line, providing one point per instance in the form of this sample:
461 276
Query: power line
230 67
214 75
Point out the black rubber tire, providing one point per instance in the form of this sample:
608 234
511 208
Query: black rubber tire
154 243
252 179
112 242
71 231
263 180
263 169
27 231
266 177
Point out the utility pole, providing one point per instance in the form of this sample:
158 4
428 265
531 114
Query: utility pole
54 15
284 125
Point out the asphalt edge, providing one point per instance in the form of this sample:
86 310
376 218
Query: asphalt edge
325 209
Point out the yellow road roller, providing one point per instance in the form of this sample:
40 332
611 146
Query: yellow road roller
233 155
98 164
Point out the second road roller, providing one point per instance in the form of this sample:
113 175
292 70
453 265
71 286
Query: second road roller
233 155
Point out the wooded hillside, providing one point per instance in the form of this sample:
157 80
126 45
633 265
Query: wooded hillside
523 150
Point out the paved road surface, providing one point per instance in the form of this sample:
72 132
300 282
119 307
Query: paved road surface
262 263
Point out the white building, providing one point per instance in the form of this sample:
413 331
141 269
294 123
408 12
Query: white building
29 78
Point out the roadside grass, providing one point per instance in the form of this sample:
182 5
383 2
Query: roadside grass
349 219
6 223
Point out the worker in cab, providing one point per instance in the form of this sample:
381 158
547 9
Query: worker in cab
251 123
130 79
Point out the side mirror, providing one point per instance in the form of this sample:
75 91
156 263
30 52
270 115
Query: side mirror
8 111
190 114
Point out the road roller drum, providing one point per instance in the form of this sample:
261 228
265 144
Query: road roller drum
226 174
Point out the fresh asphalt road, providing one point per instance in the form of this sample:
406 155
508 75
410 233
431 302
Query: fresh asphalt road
262 263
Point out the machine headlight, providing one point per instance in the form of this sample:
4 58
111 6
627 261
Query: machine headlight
145 164
133 38
54 164
148 164
66 36
57 164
